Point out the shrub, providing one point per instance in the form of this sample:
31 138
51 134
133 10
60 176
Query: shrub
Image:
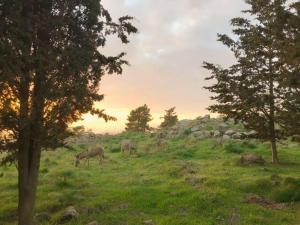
187 132
249 145
233 147
286 194
115 149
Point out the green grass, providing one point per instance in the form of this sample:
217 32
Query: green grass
184 182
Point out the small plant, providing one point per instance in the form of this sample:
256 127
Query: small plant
286 194
187 132
248 145
44 170
64 177
233 147
115 149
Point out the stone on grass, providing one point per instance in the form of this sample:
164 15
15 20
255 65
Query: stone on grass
149 222
251 159
226 137
93 223
69 214
230 132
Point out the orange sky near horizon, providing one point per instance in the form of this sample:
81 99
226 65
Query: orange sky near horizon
166 58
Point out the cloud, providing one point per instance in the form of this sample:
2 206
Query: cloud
175 37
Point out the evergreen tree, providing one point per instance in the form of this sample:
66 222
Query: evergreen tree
289 49
250 91
51 65
138 119
170 118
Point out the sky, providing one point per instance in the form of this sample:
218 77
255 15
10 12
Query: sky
166 57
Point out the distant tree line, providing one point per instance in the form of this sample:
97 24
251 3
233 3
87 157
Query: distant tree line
139 118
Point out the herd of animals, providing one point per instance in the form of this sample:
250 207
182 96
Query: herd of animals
125 146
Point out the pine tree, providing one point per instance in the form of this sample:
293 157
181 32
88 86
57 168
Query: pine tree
170 118
289 49
250 90
51 65
138 119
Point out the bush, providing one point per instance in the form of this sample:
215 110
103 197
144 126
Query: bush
187 132
233 147
286 194
115 149
249 145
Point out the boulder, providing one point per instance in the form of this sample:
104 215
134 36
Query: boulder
251 159
226 137
230 132
69 214
222 128
197 134
237 135
216 133
196 128
250 133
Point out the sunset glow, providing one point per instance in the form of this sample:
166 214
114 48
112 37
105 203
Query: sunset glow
166 58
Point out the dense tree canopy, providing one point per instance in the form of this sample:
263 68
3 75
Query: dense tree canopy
252 90
50 67
138 119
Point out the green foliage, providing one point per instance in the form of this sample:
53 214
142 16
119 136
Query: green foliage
170 118
233 147
138 119
251 91
187 132
52 56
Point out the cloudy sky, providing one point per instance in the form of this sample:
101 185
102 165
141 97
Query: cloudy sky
175 37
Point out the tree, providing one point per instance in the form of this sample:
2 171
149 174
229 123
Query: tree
50 69
170 118
289 49
138 119
250 91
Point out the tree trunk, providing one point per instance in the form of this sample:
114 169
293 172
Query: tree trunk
27 193
275 159
272 131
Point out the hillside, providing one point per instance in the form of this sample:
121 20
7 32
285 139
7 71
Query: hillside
182 180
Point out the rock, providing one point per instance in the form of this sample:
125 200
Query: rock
93 223
184 124
226 137
196 128
43 216
222 128
251 159
217 133
149 222
230 132
250 133
69 214
237 136
197 134
207 133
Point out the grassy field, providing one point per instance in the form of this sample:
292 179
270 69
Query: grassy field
183 182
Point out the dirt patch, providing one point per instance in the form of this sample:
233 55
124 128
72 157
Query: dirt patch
258 200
